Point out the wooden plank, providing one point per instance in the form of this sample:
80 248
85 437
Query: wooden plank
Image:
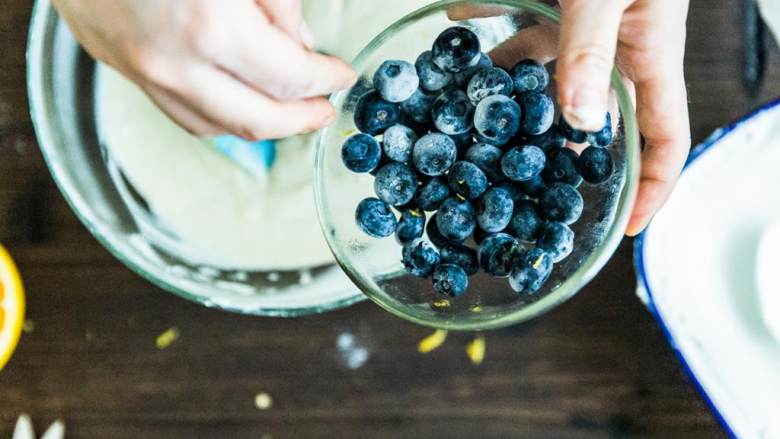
596 367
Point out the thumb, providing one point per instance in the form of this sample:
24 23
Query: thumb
589 33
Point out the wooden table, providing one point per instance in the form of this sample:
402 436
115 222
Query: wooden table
596 367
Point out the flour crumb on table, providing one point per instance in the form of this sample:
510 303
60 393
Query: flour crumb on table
263 401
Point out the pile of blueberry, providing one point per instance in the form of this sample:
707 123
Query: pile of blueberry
477 147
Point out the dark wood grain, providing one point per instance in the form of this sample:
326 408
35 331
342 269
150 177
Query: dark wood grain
597 367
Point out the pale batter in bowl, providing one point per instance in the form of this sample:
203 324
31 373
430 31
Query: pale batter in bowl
207 200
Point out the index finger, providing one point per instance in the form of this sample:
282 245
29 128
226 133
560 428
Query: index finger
464 12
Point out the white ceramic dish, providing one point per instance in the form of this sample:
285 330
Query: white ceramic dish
696 269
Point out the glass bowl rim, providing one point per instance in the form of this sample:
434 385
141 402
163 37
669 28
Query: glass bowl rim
587 270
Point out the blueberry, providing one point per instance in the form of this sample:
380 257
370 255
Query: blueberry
467 180
450 280
496 253
514 189
571 133
561 167
497 119
435 236
523 163
361 153
494 210
553 138
395 184
488 82
602 137
456 219
375 218
434 154
460 255
452 112
411 225
462 78
432 78
533 187
525 222
557 239
432 193
530 271
595 164
420 258
398 142
396 80
456 49
418 107
373 115
530 76
561 202
488 158
538 113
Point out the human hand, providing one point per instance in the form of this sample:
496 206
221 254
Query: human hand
647 40
243 67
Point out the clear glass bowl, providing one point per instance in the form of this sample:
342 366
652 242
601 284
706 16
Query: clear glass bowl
374 264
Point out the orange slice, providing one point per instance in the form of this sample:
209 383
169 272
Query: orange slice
11 306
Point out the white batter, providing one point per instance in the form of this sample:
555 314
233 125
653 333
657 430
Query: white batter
204 197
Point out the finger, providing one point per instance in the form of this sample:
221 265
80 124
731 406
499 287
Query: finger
588 41
247 113
538 42
287 15
267 59
614 110
192 121
663 120
463 12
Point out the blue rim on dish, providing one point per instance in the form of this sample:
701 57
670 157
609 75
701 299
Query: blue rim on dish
641 274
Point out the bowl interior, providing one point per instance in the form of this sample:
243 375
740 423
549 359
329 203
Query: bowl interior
375 264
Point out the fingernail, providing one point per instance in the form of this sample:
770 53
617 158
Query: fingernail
588 110
307 37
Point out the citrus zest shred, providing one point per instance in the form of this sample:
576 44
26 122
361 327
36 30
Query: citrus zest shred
441 303
476 350
432 342
167 338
